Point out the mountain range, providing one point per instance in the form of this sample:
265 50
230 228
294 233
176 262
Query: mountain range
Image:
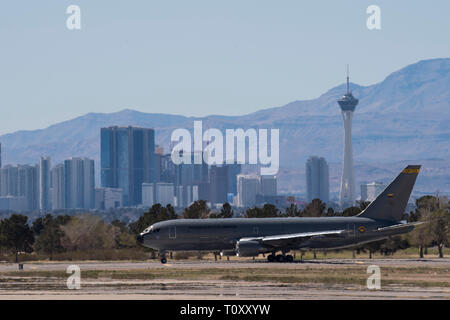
402 119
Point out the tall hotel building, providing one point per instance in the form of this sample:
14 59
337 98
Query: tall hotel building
79 183
317 179
44 184
127 159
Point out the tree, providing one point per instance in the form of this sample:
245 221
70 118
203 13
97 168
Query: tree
314 209
434 214
267 211
351 211
49 240
16 235
226 211
197 210
392 244
292 211
155 214
420 237
438 225
86 232
48 233
330 212
124 237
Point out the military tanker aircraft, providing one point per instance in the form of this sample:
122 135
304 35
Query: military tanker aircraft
247 237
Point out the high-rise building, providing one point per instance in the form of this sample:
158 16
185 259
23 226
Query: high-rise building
218 176
233 171
44 184
164 193
127 159
20 184
370 191
79 183
248 187
58 187
168 169
317 179
268 186
28 186
9 181
348 104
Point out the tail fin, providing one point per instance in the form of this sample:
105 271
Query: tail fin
391 203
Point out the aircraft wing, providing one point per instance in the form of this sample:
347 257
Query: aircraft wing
398 227
293 238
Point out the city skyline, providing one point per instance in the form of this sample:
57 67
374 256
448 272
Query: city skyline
380 113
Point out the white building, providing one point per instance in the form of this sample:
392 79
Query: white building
185 195
164 193
148 194
248 186
370 191
108 198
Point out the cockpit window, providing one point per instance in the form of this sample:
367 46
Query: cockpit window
148 230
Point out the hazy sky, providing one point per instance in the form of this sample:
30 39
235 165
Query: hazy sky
200 57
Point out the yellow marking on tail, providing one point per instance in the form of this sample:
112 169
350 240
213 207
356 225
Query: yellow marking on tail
411 171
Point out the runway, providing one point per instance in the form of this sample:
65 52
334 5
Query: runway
315 279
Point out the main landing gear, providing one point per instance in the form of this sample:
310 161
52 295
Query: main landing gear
280 258
163 257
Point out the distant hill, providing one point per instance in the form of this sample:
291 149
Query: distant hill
404 117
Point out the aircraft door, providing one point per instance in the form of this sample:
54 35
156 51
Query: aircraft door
172 232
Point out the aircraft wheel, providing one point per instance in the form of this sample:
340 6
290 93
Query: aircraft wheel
163 260
280 258
289 258
271 258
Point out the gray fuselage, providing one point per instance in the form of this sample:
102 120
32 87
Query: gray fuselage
223 234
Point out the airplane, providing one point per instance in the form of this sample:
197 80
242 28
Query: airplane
249 237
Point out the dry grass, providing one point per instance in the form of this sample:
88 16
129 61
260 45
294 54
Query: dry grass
354 275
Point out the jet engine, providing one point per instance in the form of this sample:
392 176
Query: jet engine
228 253
249 248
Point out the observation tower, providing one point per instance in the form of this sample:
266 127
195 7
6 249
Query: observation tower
348 104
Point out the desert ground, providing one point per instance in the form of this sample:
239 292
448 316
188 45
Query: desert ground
409 278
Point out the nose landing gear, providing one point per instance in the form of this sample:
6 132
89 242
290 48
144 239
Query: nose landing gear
163 257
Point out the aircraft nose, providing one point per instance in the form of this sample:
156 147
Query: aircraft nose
140 239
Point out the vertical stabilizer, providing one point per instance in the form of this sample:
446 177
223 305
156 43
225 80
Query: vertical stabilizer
391 203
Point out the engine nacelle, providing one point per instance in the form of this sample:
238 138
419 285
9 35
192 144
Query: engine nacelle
227 253
249 248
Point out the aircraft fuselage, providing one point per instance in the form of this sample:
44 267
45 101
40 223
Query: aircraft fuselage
223 234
